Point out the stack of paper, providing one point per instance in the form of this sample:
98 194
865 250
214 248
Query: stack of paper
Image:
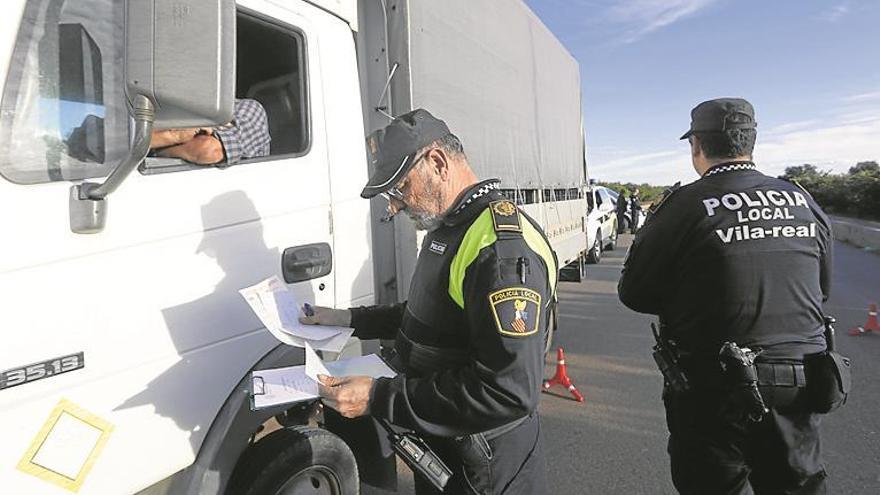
297 383
279 311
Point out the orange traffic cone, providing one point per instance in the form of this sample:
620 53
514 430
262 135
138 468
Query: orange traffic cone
561 377
871 325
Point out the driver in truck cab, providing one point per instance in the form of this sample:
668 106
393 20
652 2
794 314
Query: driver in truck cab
470 338
246 136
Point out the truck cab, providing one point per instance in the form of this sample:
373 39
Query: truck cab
127 350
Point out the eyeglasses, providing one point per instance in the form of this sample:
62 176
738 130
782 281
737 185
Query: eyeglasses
396 192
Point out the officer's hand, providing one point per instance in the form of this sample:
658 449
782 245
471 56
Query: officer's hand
349 395
327 316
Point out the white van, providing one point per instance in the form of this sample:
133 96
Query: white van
127 348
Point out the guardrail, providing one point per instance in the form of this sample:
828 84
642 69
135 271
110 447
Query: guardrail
857 232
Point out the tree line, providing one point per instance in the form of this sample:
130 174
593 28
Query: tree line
855 193
647 192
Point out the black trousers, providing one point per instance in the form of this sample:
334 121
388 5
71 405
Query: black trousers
510 464
710 454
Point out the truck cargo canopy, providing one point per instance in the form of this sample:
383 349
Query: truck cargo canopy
504 84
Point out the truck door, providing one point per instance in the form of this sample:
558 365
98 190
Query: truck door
149 306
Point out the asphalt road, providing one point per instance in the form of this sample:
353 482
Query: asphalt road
615 441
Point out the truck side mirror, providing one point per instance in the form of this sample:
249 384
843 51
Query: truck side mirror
179 72
181 55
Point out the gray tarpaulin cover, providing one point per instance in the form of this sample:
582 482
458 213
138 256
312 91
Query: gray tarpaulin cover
504 84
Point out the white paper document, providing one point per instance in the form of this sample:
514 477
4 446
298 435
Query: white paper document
369 365
279 310
282 386
314 365
294 384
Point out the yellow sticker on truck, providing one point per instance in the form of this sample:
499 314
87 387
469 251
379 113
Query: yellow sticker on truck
67 446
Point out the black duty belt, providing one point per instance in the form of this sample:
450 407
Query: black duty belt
782 374
706 373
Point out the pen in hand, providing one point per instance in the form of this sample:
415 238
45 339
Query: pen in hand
308 310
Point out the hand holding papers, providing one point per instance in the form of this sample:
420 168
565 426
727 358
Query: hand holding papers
278 310
293 384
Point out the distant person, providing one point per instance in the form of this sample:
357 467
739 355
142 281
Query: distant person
246 136
737 266
621 206
635 209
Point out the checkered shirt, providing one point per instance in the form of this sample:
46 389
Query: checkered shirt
247 136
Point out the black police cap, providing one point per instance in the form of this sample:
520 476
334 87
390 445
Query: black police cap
392 150
721 114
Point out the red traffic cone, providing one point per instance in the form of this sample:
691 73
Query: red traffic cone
871 324
561 377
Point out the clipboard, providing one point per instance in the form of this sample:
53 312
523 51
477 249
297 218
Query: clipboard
280 386
290 385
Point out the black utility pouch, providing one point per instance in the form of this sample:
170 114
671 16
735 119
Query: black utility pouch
828 381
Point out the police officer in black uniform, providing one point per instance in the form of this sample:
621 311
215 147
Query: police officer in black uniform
621 206
736 257
470 337
635 210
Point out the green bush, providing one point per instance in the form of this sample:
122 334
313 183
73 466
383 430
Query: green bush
646 191
856 193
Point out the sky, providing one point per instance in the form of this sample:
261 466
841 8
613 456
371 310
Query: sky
811 69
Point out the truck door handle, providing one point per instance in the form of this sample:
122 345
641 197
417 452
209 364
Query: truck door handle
306 262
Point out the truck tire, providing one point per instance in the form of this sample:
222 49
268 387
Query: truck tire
296 460
582 267
595 254
612 241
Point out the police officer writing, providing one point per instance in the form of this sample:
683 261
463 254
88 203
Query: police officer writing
737 265
470 338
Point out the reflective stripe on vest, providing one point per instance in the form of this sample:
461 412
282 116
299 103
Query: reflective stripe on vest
481 234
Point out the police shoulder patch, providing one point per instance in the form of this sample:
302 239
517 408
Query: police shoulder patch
516 310
663 197
505 216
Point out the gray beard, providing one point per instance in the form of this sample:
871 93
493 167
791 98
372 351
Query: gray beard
424 220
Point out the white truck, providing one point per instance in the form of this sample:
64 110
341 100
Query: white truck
126 348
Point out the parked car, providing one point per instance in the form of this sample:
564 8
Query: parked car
601 222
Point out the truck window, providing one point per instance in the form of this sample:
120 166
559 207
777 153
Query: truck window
271 70
63 114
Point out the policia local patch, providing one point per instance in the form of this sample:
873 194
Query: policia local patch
516 311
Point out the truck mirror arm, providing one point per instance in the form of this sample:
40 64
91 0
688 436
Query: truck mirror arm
88 211
383 109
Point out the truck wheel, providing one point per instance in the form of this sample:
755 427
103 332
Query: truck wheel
296 460
612 241
582 267
595 254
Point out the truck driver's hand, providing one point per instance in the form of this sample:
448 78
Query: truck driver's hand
349 395
325 316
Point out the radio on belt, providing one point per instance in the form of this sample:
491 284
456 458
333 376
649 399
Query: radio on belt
418 456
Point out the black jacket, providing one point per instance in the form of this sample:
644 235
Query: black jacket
471 334
736 255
